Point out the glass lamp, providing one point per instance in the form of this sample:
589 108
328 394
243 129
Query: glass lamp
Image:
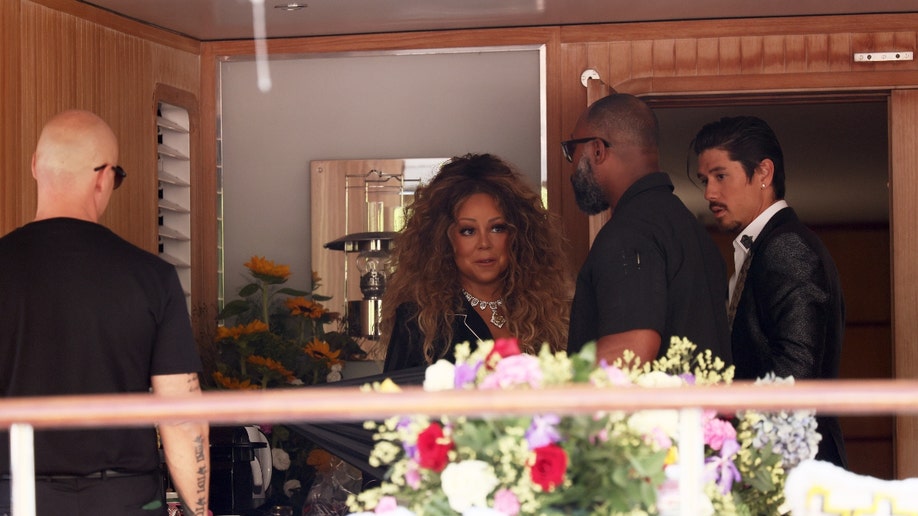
372 262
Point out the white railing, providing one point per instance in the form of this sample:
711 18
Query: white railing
840 397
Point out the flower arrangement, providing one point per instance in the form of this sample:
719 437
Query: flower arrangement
610 463
279 341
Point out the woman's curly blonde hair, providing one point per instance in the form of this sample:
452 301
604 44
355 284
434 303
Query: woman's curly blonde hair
537 286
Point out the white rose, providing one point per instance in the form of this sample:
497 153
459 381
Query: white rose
467 484
646 421
280 459
291 486
658 379
441 376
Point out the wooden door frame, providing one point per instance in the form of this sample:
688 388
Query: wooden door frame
808 57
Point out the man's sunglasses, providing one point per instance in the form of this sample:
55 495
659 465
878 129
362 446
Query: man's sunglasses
569 146
119 173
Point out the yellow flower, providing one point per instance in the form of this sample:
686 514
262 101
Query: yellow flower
387 385
320 349
237 331
305 307
672 456
263 267
232 383
271 364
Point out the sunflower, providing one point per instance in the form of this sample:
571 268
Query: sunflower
305 307
319 349
237 331
228 382
271 364
267 271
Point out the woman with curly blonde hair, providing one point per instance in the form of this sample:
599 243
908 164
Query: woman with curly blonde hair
479 258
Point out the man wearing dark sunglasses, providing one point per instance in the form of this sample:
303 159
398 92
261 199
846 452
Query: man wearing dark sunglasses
653 272
83 311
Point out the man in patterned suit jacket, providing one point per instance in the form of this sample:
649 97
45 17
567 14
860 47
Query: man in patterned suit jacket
786 309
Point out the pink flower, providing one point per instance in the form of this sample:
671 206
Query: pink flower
717 431
506 502
386 504
600 437
662 440
615 375
413 476
513 371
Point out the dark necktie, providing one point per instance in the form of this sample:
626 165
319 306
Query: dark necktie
746 240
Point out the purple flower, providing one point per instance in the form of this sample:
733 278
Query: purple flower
411 450
688 378
543 431
721 467
465 374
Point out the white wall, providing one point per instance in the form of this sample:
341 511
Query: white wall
360 107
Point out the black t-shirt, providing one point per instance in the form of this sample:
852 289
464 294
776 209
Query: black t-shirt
652 266
82 311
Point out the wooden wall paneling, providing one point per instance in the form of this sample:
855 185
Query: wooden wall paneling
664 57
576 59
641 60
204 289
555 180
773 54
176 68
730 56
708 57
752 54
795 54
619 59
817 52
903 131
840 56
120 91
685 55
95 15
12 175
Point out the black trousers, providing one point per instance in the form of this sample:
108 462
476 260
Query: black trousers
140 495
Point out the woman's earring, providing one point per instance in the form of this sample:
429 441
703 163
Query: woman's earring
763 186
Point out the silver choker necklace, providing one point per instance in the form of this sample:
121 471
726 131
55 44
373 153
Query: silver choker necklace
496 319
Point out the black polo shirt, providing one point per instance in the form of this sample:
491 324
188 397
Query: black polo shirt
652 266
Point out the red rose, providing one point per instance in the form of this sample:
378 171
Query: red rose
503 348
433 447
548 467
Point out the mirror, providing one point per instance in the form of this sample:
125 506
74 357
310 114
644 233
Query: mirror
346 106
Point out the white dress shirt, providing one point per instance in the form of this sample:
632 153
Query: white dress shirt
752 230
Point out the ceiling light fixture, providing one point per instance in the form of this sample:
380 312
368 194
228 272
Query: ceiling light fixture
291 6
